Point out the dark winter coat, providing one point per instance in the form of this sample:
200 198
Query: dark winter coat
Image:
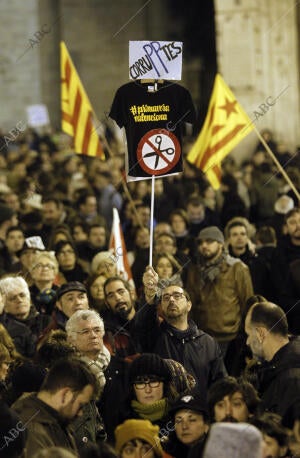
89 426
119 335
58 321
112 403
44 301
21 335
197 351
284 259
279 379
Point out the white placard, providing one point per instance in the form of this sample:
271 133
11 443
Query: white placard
155 60
35 242
37 115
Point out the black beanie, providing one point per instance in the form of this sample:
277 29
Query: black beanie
149 364
27 378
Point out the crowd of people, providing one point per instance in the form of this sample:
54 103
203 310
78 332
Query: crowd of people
196 355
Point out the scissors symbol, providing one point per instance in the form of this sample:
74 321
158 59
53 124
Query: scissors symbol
158 141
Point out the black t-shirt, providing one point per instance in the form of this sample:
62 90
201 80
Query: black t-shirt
160 116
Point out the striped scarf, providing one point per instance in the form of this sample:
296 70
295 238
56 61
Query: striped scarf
98 365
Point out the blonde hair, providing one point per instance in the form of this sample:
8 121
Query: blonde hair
50 255
103 257
6 340
4 354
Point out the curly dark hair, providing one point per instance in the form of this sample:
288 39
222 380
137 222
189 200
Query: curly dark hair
228 386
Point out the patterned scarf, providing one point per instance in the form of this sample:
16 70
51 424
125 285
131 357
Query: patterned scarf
98 365
209 271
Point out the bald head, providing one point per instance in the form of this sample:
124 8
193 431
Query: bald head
267 329
270 316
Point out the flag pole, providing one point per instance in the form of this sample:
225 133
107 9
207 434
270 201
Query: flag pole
116 235
271 154
151 221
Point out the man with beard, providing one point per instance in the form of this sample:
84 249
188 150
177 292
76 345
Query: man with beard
279 374
285 270
122 342
176 336
232 400
119 318
237 235
219 286
68 386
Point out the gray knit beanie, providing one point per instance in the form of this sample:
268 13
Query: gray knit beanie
211 232
234 440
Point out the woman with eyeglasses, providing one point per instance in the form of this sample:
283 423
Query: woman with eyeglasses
44 271
21 319
148 399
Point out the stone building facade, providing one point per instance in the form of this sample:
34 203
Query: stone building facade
257 46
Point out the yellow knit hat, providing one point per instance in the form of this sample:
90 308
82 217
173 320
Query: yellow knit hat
138 429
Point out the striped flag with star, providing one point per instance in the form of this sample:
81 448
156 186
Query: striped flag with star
225 125
77 111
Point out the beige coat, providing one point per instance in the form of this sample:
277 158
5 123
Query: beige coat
217 307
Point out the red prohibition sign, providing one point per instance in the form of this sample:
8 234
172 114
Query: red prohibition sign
158 151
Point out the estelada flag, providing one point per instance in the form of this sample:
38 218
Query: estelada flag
225 125
77 111
118 248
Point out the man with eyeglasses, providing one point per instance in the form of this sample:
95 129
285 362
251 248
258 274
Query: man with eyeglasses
85 331
176 336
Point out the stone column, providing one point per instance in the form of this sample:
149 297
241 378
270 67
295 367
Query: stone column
19 61
258 57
